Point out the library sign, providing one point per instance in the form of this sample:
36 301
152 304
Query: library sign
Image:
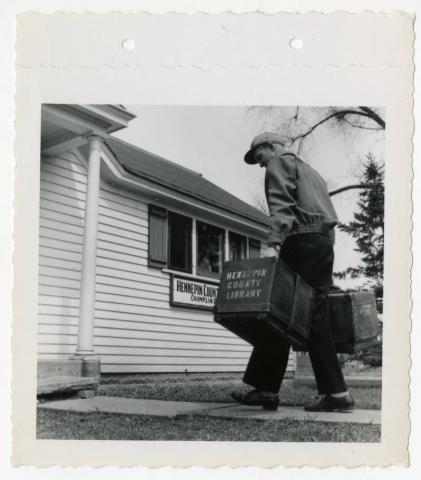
186 292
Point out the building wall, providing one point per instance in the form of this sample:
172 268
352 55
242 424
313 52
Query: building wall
136 330
62 207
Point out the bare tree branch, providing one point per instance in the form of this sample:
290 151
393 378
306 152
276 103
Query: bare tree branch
351 124
340 115
374 116
349 187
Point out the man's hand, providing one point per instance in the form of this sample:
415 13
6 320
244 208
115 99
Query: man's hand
275 246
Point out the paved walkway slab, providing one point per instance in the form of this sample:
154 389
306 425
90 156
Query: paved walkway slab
130 406
294 413
134 406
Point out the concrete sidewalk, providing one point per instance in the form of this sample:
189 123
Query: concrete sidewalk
132 406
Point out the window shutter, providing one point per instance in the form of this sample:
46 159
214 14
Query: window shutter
157 236
254 248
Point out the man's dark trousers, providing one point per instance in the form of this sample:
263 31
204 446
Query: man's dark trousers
311 256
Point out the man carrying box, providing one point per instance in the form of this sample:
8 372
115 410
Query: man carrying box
302 232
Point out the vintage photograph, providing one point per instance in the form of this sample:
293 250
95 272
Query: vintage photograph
211 273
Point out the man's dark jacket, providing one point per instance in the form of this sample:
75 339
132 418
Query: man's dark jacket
297 198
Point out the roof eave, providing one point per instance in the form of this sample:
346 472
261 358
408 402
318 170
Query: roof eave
191 195
114 173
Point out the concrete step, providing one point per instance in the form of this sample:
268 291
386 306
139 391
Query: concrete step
55 368
65 384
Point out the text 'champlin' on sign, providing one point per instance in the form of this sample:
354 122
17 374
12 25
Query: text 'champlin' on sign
193 293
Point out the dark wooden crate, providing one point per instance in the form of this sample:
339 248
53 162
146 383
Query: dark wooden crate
280 305
264 296
353 320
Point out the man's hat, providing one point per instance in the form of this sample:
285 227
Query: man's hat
265 137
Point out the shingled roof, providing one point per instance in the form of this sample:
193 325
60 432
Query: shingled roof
153 168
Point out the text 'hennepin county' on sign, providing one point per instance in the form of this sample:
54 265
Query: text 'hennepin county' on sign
193 293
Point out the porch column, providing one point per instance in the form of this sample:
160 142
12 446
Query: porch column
87 287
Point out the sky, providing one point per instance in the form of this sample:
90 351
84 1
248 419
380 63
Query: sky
212 140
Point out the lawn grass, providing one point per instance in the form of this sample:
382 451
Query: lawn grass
142 378
202 387
220 391
106 426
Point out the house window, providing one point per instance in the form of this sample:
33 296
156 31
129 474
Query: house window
171 244
237 246
210 250
179 242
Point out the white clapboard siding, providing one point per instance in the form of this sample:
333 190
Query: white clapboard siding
135 296
63 199
48 289
62 207
121 224
137 222
141 338
65 309
136 329
132 271
146 348
63 190
47 320
62 268
111 238
180 357
124 197
105 230
143 367
117 252
49 254
71 228
122 207
65 171
105 335
155 322
62 218
61 236
140 335
106 283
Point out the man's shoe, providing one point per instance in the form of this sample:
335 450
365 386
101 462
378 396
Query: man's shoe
267 400
327 403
